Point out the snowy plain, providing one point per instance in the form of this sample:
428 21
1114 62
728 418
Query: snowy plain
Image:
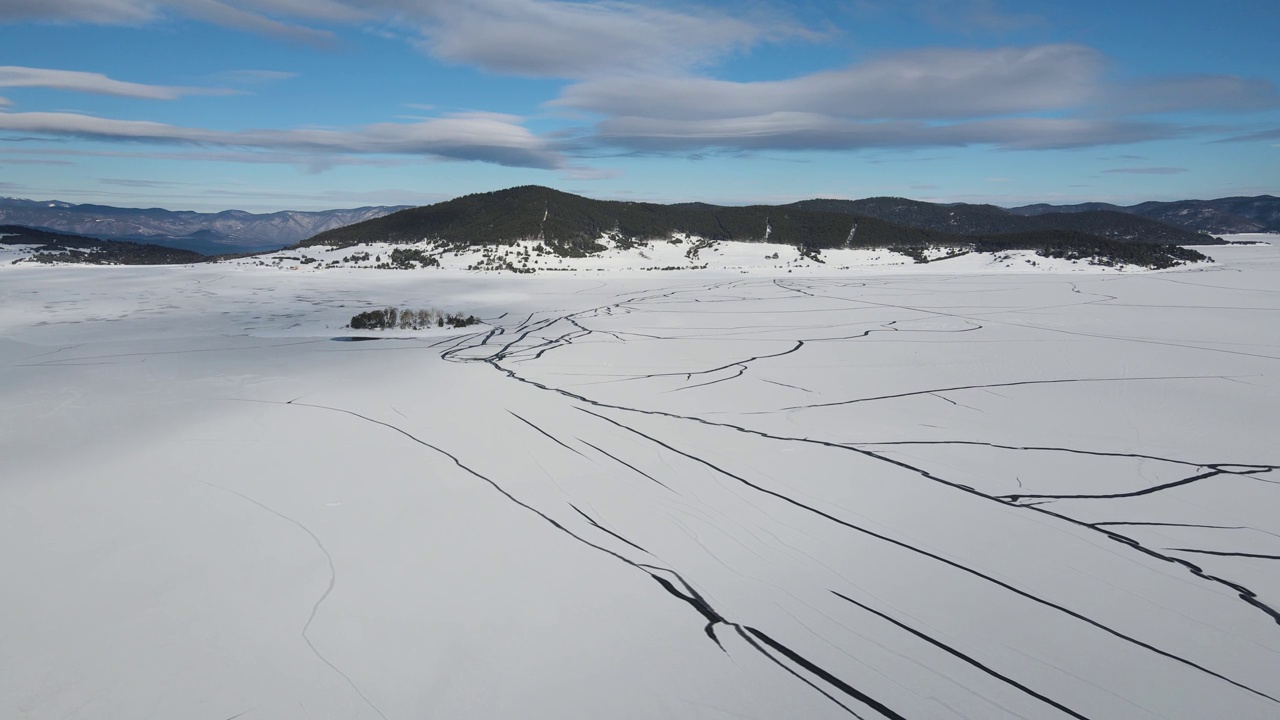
967 489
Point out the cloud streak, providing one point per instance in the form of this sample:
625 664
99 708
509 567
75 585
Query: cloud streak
810 131
544 38
933 84
12 76
107 12
1254 137
572 39
484 137
1025 98
639 71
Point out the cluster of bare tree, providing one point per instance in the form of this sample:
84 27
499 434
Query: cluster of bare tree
407 319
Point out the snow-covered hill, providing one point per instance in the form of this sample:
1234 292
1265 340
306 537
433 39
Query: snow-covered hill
681 252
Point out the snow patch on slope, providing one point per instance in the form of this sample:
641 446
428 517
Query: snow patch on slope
680 252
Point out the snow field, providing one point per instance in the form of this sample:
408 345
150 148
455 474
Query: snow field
943 490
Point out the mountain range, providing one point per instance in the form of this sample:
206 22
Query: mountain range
517 213
230 231
46 246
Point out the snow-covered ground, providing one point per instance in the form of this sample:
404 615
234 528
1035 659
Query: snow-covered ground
9 253
922 491
678 253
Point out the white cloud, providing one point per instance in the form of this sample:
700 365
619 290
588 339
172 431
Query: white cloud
1253 137
485 137
308 161
636 66
932 97
522 37
525 37
228 15
269 17
92 11
573 39
89 82
813 131
933 83
33 161
1041 97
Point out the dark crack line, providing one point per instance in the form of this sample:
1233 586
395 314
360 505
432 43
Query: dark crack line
602 528
1144 491
742 370
1120 338
992 385
624 462
1245 594
713 618
958 566
578 325
1248 596
548 435
760 649
938 557
1172 524
793 387
962 656
1224 553
832 680
315 608
1038 448
693 598
687 375
548 345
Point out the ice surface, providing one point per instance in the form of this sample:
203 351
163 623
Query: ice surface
927 491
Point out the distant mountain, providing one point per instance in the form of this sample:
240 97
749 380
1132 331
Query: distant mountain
230 231
963 219
571 225
1258 214
47 247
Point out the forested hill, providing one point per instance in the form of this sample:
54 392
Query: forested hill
52 247
571 224
1258 214
963 219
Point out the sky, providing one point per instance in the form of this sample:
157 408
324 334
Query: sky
266 105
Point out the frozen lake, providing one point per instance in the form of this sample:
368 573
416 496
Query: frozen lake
909 492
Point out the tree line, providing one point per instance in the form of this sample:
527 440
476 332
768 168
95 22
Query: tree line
391 318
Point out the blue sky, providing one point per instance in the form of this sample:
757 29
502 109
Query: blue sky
309 104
